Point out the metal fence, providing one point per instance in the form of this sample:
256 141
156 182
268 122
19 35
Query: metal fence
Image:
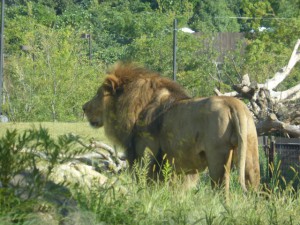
285 150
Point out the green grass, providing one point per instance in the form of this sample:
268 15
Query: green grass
124 200
174 204
55 129
165 204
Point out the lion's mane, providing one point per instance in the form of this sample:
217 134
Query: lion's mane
136 94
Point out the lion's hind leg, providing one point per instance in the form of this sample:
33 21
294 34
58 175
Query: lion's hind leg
219 170
227 167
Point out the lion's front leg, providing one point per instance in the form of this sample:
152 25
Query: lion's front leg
145 152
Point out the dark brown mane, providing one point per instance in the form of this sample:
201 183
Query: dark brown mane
128 72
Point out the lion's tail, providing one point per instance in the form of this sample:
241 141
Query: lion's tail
241 122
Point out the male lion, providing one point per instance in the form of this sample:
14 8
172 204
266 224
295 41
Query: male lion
139 110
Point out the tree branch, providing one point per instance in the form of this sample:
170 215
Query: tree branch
282 95
232 94
272 124
285 71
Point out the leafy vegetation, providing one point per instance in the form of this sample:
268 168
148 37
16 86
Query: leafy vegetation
129 198
48 72
24 187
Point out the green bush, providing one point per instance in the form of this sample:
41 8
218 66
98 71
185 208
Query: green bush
25 190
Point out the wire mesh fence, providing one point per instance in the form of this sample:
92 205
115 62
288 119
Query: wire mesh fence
284 152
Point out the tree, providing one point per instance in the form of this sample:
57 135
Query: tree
139 30
49 81
271 84
213 16
273 110
269 49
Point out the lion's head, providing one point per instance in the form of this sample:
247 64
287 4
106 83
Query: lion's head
125 93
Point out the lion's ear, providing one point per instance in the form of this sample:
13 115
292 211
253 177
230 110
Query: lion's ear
111 84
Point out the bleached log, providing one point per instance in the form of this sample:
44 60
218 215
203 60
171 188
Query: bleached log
230 94
245 87
295 97
285 71
283 95
108 160
241 90
272 124
272 83
77 174
97 144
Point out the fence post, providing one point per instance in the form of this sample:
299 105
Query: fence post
266 148
265 145
174 48
271 156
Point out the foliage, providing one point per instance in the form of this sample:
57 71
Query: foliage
196 67
214 16
48 81
11 157
128 200
24 151
271 47
20 153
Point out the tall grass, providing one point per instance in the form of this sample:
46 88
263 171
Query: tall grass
130 198
171 204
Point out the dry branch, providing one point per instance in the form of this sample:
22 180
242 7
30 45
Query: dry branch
272 124
285 71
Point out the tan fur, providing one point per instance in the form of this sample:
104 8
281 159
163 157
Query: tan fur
139 110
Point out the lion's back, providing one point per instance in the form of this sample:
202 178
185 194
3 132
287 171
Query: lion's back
203 123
